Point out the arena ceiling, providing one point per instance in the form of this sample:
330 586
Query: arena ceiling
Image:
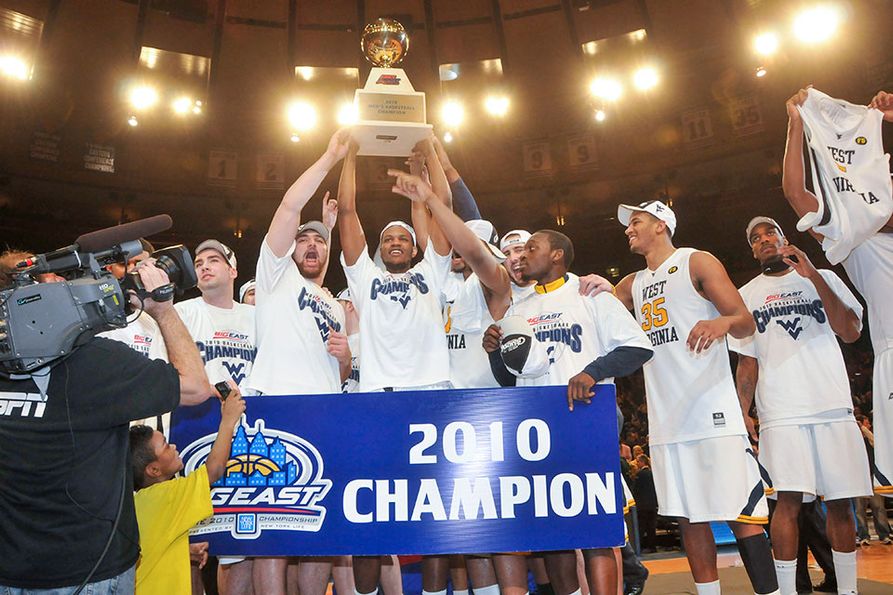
708 136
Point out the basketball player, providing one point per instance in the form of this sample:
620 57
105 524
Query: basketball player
870 268
295 315
810 443
401 325
602 341
704 469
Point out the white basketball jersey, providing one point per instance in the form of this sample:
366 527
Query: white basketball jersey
575 329
870 268
690 396
225 338
466 319
521 293
851 173
352 383
801 368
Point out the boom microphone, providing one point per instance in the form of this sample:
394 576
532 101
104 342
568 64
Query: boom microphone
102 239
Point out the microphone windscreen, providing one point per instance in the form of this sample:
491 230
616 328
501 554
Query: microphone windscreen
103 239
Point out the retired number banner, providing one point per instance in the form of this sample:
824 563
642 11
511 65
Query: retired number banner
428 472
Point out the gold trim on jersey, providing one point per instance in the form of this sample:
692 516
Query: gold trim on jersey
768 491
752 520
551 285
883 489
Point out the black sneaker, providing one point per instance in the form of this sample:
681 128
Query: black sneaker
826 586
635 589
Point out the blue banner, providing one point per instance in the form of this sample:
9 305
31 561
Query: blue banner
428 472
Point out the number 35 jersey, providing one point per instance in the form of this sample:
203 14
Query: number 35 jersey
690 396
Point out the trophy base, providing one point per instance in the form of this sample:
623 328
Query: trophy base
388 139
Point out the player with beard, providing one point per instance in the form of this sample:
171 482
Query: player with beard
401 325
296 315
810 443
602 342
704 469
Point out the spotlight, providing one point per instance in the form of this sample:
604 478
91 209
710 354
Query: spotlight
600 115
181 105
447 137
143 97
301 116
645 78
497 105
817 24
14 68
765 44
453 113
197 109
760 72
305 72
347 114
606 88
133 121
295 138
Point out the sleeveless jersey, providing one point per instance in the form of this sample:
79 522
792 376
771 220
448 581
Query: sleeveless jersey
870 268
690 396
850 172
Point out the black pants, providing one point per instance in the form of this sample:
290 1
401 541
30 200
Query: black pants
811 522
648 529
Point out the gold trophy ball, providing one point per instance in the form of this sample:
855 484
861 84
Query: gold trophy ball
384 42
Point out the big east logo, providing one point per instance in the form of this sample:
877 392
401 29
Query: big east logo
273 481
230 336
388 79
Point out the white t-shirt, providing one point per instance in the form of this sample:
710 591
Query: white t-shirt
851 173
575 329
293 319
521 293
801 368
870 268
690 396
142 335
467 317
352 383
225 338
401 324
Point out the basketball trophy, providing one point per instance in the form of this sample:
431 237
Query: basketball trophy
391 114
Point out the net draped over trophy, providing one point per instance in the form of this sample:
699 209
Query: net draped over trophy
391 113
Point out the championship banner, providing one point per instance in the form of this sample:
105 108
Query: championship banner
427 472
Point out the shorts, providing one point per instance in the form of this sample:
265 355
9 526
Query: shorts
882 424
817 459
711 479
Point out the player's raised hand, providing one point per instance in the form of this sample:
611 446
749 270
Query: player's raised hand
442 154
593 284
339 145
580 389
338 347
425 147
796 100
329 211
410 186
705 332
492 338
795 258
883 101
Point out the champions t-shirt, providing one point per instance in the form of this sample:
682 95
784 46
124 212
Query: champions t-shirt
294 315
576 329
224 336
801 368
142 335
401 324
467 317
64 464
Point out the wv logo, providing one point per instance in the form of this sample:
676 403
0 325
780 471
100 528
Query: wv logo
403 300
792 326
235 370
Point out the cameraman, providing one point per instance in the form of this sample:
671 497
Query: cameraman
66 502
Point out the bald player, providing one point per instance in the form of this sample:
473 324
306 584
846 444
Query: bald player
583 341
704 469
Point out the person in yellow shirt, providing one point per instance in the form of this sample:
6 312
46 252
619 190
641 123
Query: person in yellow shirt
167 507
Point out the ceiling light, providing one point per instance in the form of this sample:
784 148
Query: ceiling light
447 137
301 116
14 67
600 115
182 105
305 72
133 121
606 88
295 138
645 78
497 105
817 24
347 114
452 113
143 97
760 72
765 44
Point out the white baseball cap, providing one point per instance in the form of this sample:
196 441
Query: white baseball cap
224 250
487 233
757 221
344 295
405 226
248 286
652 207
513 238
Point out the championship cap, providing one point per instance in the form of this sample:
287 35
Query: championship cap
220 248
758 220
487 233
652 207
405 226
248 286
521 352
513 238
344 295
316 226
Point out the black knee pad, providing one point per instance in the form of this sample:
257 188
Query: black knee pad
757 557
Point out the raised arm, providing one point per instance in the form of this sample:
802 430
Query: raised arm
793 177
288 216
230 412
441 189
420 214
711 280
464 204
353 240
